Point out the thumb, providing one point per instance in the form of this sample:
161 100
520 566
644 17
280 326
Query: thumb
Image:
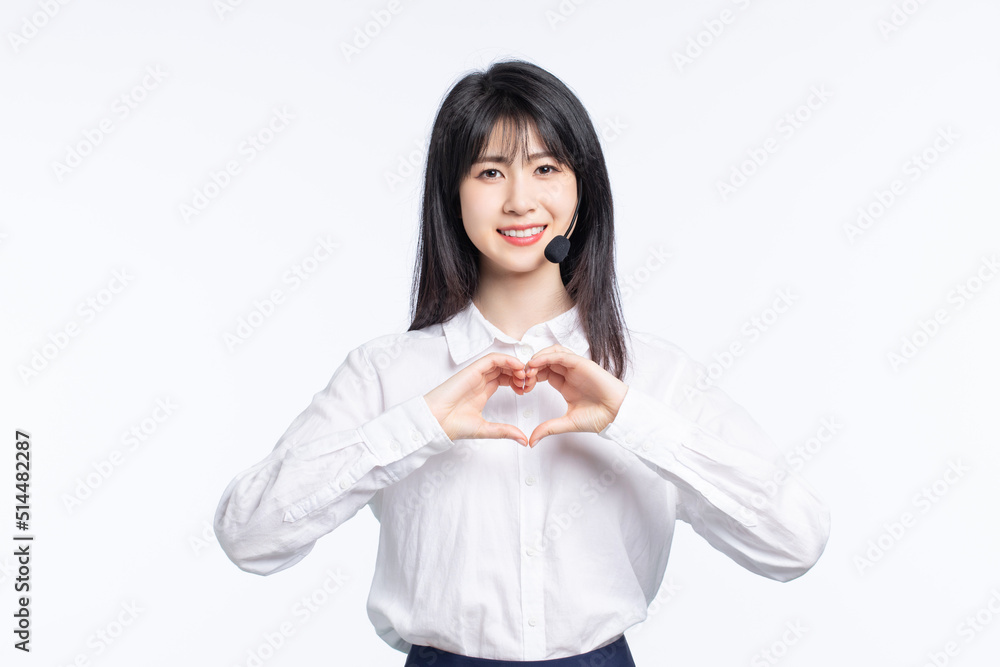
502 431
551 427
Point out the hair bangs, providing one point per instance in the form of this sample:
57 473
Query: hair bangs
511 127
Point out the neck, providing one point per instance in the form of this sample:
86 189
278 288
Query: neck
515 302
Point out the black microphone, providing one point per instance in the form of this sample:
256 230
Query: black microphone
558 248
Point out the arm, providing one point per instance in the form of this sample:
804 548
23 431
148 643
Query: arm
730 490
333 458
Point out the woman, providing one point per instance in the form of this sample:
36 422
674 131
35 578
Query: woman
543 553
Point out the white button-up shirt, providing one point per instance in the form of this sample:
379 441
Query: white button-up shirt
494 550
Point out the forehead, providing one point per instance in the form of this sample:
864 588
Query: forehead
509 140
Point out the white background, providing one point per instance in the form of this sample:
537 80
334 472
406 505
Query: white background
143 536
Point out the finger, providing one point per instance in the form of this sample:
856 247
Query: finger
551 376
516 385
551 348
495 363
555 358
507 360
512 377
490 387
512 382
504 372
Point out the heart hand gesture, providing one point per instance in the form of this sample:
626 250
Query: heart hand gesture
593 395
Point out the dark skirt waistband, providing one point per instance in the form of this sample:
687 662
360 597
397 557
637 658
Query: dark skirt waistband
615 654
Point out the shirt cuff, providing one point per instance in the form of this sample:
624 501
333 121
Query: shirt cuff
403 429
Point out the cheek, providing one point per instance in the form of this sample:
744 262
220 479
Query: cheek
560 199
478 209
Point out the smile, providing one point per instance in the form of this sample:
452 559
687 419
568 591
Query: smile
522 236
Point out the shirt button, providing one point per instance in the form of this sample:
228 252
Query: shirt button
646 446
532 621
630 438
344 484
528 412
524 350
529 551
415 435
394 446
531 479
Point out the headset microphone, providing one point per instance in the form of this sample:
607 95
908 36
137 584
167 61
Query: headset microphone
558 248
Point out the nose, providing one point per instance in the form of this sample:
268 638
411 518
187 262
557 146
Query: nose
522 196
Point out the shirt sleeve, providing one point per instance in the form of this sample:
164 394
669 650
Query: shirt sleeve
731 488
330 462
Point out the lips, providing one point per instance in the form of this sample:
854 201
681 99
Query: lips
523 240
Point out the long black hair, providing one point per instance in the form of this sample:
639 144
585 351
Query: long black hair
517 95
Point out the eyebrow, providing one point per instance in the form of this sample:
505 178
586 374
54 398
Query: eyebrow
503 160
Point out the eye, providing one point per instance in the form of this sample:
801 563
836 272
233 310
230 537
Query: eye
491 173
550 167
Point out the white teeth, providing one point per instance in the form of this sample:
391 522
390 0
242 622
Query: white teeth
522 233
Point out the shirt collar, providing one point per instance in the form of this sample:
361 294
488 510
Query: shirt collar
469 333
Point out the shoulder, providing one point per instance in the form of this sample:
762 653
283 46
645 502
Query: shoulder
382 360
382 349
657 359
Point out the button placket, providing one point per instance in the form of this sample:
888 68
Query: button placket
533 539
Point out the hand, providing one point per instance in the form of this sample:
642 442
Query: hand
458 402
593 395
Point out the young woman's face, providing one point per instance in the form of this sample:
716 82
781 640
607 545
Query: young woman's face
537 197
